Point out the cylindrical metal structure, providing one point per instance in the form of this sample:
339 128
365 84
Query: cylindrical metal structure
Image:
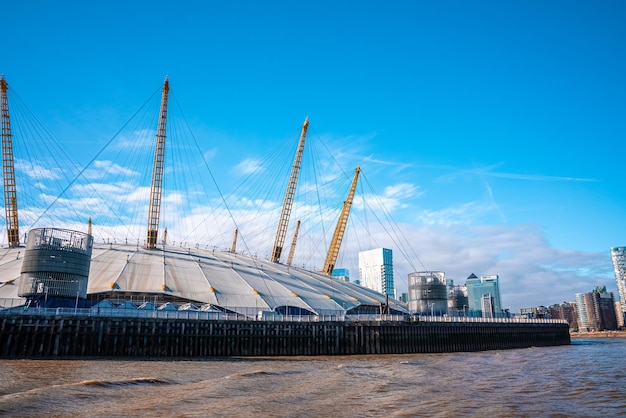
457 299
56 264
428 293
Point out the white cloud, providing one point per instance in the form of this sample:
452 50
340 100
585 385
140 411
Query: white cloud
469 213
37 171
208 155
248 166
394 197
401 191
101 169
531 271
111 191
139 139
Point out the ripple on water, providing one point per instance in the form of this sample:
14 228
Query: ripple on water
582 379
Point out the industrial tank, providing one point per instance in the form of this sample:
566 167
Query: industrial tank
55 267
428 293
457 299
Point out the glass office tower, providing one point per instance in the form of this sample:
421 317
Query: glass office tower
618 254
376 270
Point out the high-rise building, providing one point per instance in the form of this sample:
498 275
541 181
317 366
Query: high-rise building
486 305
565 310
596 310
477 289
341 274
584 323
376 270
618 254
619 314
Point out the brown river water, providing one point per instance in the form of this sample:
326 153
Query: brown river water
584 379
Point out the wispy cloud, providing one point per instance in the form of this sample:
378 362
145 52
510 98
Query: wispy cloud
493 202
208 155
469 213
103 168
37 171
402 191
394 197
138 139
249 166
536 177
489 171
377 161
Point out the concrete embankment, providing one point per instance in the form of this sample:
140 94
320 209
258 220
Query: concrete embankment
23 336
599 334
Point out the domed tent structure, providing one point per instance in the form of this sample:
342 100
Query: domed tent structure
225 281
228 281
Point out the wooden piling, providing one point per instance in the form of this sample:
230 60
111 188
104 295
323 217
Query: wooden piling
23 336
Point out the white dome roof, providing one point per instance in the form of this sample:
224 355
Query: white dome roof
231 281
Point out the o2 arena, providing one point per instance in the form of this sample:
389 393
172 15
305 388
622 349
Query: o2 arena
64 267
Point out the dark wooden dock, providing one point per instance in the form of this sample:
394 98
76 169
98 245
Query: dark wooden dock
23 336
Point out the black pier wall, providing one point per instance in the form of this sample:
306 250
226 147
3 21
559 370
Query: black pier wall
23 336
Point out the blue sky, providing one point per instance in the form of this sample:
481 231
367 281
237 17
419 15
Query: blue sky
494 129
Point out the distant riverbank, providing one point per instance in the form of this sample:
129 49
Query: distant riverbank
599 334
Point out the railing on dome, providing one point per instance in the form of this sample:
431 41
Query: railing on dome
9 307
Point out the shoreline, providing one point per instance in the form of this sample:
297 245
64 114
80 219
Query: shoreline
598 334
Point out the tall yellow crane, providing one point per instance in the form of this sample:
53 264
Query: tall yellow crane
8 171
335 244
281 232
292 250
156 188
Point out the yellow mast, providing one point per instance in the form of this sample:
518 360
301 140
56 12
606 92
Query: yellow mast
292 250
335 244
8 171
157 173
289 196
233 247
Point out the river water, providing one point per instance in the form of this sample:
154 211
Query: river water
584 379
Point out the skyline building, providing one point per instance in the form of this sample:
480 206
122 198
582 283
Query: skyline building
565 310
376 270
535 312
618 255
477 291
487 305
596 310
618 314
584 323
341 274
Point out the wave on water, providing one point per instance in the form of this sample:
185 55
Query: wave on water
129 382
254 373
92 383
